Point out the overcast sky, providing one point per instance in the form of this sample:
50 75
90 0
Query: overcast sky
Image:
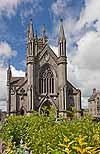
81 19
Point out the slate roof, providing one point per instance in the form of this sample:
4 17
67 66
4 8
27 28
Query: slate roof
22 84
48 49
93 96
17 80
75 89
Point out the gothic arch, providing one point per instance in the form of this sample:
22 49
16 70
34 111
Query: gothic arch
47 79
22 110
49 66
47 102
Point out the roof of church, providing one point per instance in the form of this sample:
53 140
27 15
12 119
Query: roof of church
50 51
17 80
93 96
22 84
76 90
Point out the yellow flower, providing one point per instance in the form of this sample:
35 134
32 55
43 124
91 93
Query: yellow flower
66 139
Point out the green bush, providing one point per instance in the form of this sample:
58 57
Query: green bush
43 134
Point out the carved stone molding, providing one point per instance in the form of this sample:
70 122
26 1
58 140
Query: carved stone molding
62 60
30 59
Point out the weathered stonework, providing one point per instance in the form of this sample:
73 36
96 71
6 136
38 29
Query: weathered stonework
94 103
45 83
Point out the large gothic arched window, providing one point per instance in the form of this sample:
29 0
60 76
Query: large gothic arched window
46 81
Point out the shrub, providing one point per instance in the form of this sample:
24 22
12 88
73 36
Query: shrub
43 134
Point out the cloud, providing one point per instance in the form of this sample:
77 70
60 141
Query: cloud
33 8
8 7
83 41
85 103
90 13
88 54
70 12
6 51
3 82
58 7
86 59
55 49
75 78
3 93
85 64
17 73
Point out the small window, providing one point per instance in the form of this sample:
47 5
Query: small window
31 99
52 85
40 85
44 85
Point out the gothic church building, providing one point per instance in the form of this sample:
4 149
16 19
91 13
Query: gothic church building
45 82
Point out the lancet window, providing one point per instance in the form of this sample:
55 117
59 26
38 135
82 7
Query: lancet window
46 81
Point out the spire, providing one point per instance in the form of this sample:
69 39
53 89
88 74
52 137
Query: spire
43 33
9 64
30 30
61 33
61 41
9 73
30 40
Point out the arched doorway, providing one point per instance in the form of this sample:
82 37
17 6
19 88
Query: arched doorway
22 111
46 106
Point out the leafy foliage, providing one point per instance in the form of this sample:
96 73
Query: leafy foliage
44 135
80 146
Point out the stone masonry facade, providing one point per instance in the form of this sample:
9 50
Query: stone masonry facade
45 82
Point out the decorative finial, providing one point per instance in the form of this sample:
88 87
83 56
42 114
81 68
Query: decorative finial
30 33
61 33
43 30
31 20
36 33
61 20
8 63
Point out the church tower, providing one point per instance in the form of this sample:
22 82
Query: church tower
45 83
9 75
30 62
62 69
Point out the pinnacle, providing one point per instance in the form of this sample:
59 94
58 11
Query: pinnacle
61 33
30 30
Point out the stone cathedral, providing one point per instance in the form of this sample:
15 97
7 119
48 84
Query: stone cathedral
45 82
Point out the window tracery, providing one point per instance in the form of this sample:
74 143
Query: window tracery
46 81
